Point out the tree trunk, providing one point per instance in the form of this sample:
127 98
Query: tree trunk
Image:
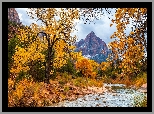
49 64
50 59
47 72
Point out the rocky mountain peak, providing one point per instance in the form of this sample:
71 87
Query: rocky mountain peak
92 46
92 33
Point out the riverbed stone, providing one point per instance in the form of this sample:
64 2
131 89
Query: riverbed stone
122 98
143 88
144 85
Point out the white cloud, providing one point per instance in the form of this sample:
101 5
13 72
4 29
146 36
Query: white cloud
21 9
101 27
24 18
20 16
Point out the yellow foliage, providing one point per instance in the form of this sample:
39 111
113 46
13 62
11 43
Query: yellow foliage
27 92
59 32
87 67
131 47
24 56
104 65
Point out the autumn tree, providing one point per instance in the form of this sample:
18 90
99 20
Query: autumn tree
12 42
129 49
88 68
57 33
58 25
11 50
27 51
70 63
13 32
13 29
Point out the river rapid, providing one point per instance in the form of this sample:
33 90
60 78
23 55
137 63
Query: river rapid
118 96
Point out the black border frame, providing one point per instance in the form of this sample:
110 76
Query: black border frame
6 5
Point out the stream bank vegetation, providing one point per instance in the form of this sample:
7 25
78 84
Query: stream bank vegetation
140 103
45 71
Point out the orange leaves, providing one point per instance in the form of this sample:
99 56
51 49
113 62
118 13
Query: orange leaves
123 17
120 27
59 31
104 65
26 92
83 63
113 21
130 41
131 32
132 10
132 56
76 55
61 48
143 10
65 17
113 35
23 56
10 85
121 45
114 45
111 25
20 88
119 14
93 75
87 67
30 50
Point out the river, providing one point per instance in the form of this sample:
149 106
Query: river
119 96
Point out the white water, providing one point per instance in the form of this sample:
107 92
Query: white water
121 97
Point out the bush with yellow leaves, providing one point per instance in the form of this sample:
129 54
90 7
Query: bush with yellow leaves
87 67
27 94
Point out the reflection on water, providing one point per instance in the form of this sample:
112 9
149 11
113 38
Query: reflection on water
120 97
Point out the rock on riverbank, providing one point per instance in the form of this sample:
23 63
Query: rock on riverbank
143 88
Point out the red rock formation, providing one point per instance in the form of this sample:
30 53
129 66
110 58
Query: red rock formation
13 15
91 45
13 23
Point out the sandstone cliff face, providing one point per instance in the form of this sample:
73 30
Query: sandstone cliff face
93 47
13 23
13 15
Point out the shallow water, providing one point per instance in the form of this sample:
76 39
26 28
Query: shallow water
120 97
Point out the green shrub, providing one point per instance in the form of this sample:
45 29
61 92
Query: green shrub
66 89
61 82
11 50
77 81
37 70
140 103
69 68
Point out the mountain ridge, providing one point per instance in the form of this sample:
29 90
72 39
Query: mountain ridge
93 47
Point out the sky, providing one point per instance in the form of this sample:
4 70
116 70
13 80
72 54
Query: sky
101 28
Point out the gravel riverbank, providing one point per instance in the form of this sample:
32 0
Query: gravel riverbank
104 97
